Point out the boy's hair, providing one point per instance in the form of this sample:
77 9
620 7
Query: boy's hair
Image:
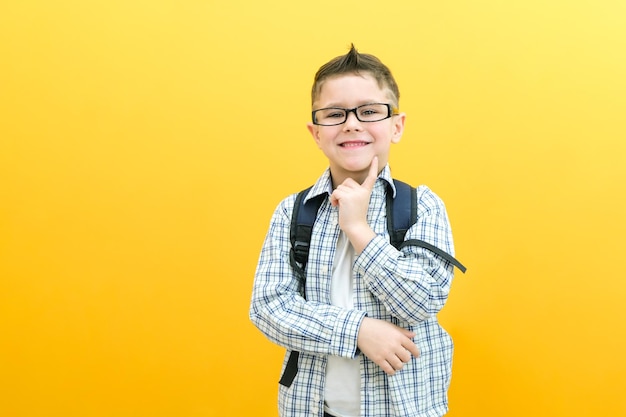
356 63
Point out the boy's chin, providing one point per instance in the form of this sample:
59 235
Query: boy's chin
357 165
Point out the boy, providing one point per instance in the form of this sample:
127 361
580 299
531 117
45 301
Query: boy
360 330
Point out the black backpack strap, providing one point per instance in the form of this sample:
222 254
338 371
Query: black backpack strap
434 249
291 369
402 214
302 220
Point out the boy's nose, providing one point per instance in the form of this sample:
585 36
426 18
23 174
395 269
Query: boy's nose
352 122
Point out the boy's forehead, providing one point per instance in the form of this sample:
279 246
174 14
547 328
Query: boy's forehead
360 87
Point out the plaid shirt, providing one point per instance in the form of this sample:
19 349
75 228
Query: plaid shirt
407 288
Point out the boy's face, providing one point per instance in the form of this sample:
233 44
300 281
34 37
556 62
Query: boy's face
351 146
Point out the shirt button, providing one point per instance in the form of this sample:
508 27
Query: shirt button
324 269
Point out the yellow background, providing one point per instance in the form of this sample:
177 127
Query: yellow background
144 145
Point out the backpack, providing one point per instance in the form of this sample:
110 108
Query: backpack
401 215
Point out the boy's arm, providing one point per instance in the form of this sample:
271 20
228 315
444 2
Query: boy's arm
279 309
414 283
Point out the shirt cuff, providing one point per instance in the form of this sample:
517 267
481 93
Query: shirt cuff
345 334
373 258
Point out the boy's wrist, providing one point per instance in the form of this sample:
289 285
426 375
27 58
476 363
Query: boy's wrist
360 237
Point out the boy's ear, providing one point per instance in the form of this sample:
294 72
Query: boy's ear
314 130
398 127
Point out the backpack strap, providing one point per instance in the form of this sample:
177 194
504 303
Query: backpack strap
291 369
402 214
436 250
302 219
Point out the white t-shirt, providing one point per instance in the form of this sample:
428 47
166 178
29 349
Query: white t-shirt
343 375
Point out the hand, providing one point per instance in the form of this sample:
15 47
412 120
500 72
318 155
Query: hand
389 346
353 199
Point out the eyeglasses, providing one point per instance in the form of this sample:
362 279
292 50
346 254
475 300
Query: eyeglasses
372 112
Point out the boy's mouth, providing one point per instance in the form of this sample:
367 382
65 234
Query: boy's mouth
353 144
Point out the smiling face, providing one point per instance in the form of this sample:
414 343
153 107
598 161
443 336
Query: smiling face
351 146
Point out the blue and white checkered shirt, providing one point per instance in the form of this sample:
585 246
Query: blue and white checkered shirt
407 288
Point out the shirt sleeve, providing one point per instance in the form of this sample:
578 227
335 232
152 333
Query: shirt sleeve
280 311
413 283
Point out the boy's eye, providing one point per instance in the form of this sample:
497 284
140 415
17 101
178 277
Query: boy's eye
334 114
369 111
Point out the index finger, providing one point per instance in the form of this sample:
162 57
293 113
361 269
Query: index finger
372 174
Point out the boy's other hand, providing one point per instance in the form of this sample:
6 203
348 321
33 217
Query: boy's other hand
353 199
389 346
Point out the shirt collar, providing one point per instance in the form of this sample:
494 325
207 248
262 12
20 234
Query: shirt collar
324 184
